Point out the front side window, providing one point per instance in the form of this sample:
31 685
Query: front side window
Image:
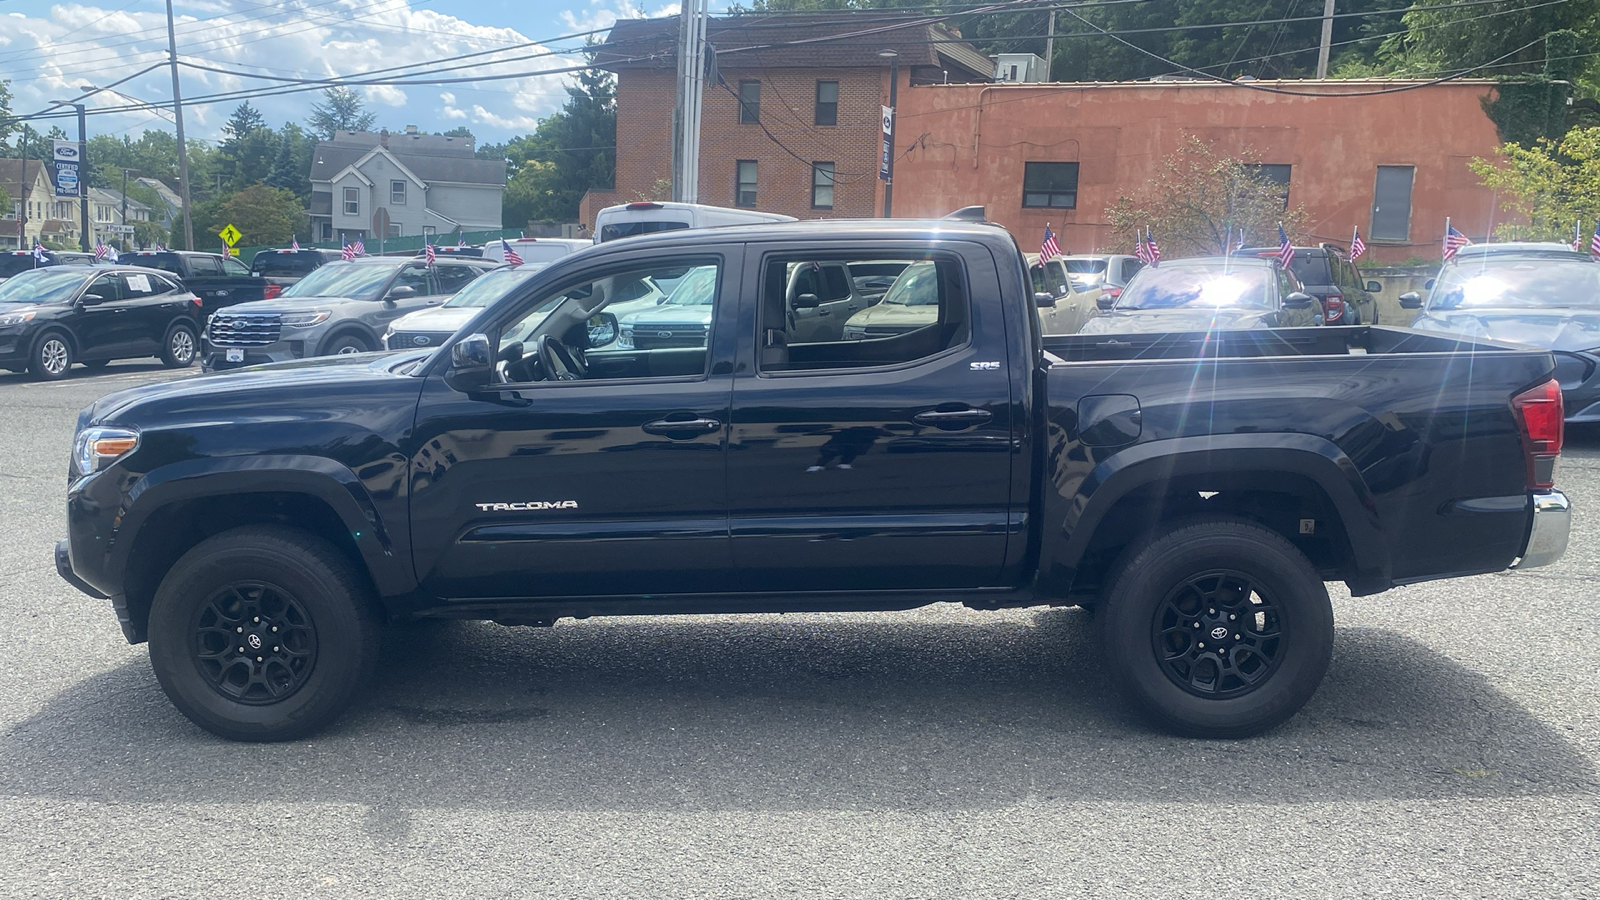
749 102
352 202
205 266
414 277
397 193
657 337
746 189
454 278
923 313
822 185
235 268
1050 185
827 103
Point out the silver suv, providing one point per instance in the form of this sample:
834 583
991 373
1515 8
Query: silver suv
342 307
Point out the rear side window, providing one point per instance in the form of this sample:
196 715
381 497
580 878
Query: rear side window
204 266
611 232
162 261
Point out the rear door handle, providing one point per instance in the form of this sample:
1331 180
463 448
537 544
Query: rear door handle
682 429
952 419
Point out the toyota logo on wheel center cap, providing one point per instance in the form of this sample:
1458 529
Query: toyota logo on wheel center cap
254 641
1218 633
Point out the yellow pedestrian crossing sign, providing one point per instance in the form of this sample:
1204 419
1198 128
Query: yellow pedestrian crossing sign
231 235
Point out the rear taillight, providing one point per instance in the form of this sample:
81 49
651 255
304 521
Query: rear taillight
1542 420
271 291
1113 292
1333 308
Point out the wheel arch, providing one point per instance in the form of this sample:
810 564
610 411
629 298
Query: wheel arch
350 327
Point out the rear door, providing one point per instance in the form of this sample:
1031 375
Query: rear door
152 303
877 463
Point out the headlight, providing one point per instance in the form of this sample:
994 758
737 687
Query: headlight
306 319
386 337
625 338
95 448
15 319
855 333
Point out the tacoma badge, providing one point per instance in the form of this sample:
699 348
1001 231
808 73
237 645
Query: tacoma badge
530 505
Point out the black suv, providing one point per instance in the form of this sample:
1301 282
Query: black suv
1328 275
282 268
53 317
16 262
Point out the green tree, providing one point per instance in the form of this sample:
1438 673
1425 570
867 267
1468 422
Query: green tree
569 153
341 109
148 234
459 131
1552 184
1200 195
283 172
264 215
8 125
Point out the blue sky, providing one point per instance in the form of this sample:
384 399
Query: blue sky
49 51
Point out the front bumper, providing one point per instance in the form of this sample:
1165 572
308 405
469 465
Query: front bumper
214 358
1547 535
64 569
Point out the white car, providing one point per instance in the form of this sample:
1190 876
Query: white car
432 327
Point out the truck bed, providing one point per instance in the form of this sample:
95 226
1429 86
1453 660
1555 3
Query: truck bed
1361 340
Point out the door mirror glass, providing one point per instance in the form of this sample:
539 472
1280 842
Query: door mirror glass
601 329
1411 300
1044 300
1298 300
1374 287
471 364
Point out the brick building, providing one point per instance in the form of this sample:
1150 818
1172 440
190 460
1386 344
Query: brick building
792 128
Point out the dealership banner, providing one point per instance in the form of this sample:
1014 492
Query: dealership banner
888 143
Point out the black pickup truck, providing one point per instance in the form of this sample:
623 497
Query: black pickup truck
1194 490
216 279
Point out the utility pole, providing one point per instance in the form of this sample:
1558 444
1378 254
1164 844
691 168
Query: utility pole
124 222
691 93
1327 39
183 149
887 170
1050 45
22 179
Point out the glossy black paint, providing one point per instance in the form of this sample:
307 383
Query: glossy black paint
119 329
830 490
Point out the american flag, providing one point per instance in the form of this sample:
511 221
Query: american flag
1285 249
430 254
38 252
511 255
1594 242
361 247
294 243
1358 247
100 250
1453 240
1138 246
1049 249
1152 252
347 253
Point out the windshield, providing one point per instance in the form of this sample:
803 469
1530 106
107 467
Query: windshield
270 262
358 281
1310 269
1518 284
698 288
1198 286
918 285
491 287
41 286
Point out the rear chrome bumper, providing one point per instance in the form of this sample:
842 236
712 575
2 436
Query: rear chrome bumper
1547 536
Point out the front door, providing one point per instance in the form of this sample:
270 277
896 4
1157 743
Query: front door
581 474
105 330
881 461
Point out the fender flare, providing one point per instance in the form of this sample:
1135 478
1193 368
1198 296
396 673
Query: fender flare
1078 516
315 476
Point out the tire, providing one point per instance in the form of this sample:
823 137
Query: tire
52 357
1187 588
178 348
267 584
343 344
95 365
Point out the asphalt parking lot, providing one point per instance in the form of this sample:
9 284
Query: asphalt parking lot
1451 751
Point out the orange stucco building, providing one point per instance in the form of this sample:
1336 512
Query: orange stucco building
1361 153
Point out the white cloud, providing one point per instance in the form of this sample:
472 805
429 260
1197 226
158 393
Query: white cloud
51 54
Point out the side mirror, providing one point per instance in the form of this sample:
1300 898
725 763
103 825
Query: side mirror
1105 301
401 292
1411 300
1044 300
1374 287
807 301
92 299
1298 300
471 364
602 329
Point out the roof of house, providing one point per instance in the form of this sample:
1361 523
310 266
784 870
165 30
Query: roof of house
825 40
9 168
332 157
107 195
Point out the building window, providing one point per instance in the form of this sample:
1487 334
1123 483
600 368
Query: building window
1391 203
822 185
327 231
749 102
745 195
352 202
827 103
1050 185
429 230
394 230
1275 175
397 193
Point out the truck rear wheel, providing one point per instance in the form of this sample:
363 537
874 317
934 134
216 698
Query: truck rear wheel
263 633
1218 628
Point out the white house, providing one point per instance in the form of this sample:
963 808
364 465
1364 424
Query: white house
377 185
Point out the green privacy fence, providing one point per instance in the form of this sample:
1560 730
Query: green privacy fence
409 244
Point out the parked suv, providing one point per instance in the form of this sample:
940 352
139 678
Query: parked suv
1326 274
343 307
16 262
53 317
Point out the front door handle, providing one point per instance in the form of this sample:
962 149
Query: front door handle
682 429
953 419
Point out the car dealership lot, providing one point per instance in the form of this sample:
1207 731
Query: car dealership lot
941 752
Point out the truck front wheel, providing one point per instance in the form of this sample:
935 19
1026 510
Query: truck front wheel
1218 628
263 633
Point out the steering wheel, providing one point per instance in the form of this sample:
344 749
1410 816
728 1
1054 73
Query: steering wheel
560 363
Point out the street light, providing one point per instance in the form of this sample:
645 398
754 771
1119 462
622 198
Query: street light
83 171
886 170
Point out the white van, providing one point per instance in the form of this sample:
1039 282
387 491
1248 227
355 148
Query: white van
647 217
535 250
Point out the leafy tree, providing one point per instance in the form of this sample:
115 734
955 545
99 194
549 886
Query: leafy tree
8 125
283 171
1198 195
341 109
5 200
148 234
265 215
459 131
569 153
1552 184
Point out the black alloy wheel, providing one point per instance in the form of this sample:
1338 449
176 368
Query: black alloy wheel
1216 635
254 643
